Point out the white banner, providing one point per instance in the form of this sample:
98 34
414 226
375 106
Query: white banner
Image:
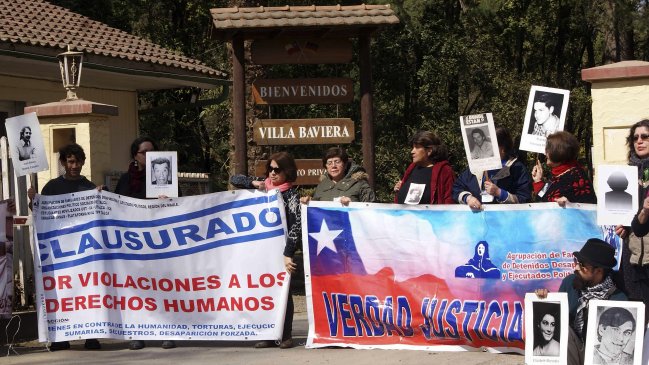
206 267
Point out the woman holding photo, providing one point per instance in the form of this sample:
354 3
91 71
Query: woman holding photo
429 177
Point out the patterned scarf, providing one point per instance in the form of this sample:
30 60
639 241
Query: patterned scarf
602 290
282 187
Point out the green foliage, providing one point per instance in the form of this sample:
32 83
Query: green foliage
445 59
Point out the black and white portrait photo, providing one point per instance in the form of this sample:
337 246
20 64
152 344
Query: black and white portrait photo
615 331
545 114
545 120
161 171
162 174
618 188
26 144
480 144
25 148
546 329
547 322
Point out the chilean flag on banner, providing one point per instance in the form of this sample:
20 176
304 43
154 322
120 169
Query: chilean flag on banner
423 277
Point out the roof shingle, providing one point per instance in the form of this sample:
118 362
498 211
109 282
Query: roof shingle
251 19
39 23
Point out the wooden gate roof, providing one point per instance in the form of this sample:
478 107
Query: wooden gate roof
325 21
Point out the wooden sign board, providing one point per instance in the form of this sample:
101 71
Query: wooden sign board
303 131
303 91
301 51
308 171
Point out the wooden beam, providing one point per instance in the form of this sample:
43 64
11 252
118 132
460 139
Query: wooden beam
239 106
367 113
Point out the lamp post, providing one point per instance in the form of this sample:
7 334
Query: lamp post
70 63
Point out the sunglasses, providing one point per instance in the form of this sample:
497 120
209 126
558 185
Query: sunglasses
276 170
642 136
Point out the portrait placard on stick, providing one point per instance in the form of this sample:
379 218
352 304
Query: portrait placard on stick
480 143
26 144
615 331
546 329
545 114
617 189
162 174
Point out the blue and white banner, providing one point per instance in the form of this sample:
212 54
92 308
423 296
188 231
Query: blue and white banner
207 267
433 277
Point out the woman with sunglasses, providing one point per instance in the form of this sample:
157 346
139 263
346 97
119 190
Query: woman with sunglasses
634 264
344 181
281 172
569 181
132 184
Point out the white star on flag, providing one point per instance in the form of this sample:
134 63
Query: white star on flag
326 237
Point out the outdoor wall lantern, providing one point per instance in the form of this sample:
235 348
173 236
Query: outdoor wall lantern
70 63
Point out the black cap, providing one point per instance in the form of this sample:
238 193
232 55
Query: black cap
597 253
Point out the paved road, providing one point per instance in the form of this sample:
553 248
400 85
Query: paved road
213 352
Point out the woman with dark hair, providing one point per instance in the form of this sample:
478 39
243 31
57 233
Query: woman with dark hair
509 184
281 173
479 266
429 178
132 184
344 181
614 331
634 264
547 325
569 182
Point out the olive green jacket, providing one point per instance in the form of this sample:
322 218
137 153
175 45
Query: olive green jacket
354 186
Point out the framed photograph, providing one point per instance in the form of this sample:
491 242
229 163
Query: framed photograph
480 142
617 189
27 149
545 114
615 331
162 174
546 329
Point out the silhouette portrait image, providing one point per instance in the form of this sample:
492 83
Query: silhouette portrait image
479 266
547 328
618 198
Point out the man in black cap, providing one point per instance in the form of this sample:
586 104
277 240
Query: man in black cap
592 280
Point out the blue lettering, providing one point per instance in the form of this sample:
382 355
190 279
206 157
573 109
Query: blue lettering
494 310
426 313
332 313
439 332
373 313
403 307
263 217
356 306
481 310
344 316
216 226
185 232
456 306
132 240
239 221
118 238
56 250
88 241
41 249
388 318
164 235
516 327
469 307
503 322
